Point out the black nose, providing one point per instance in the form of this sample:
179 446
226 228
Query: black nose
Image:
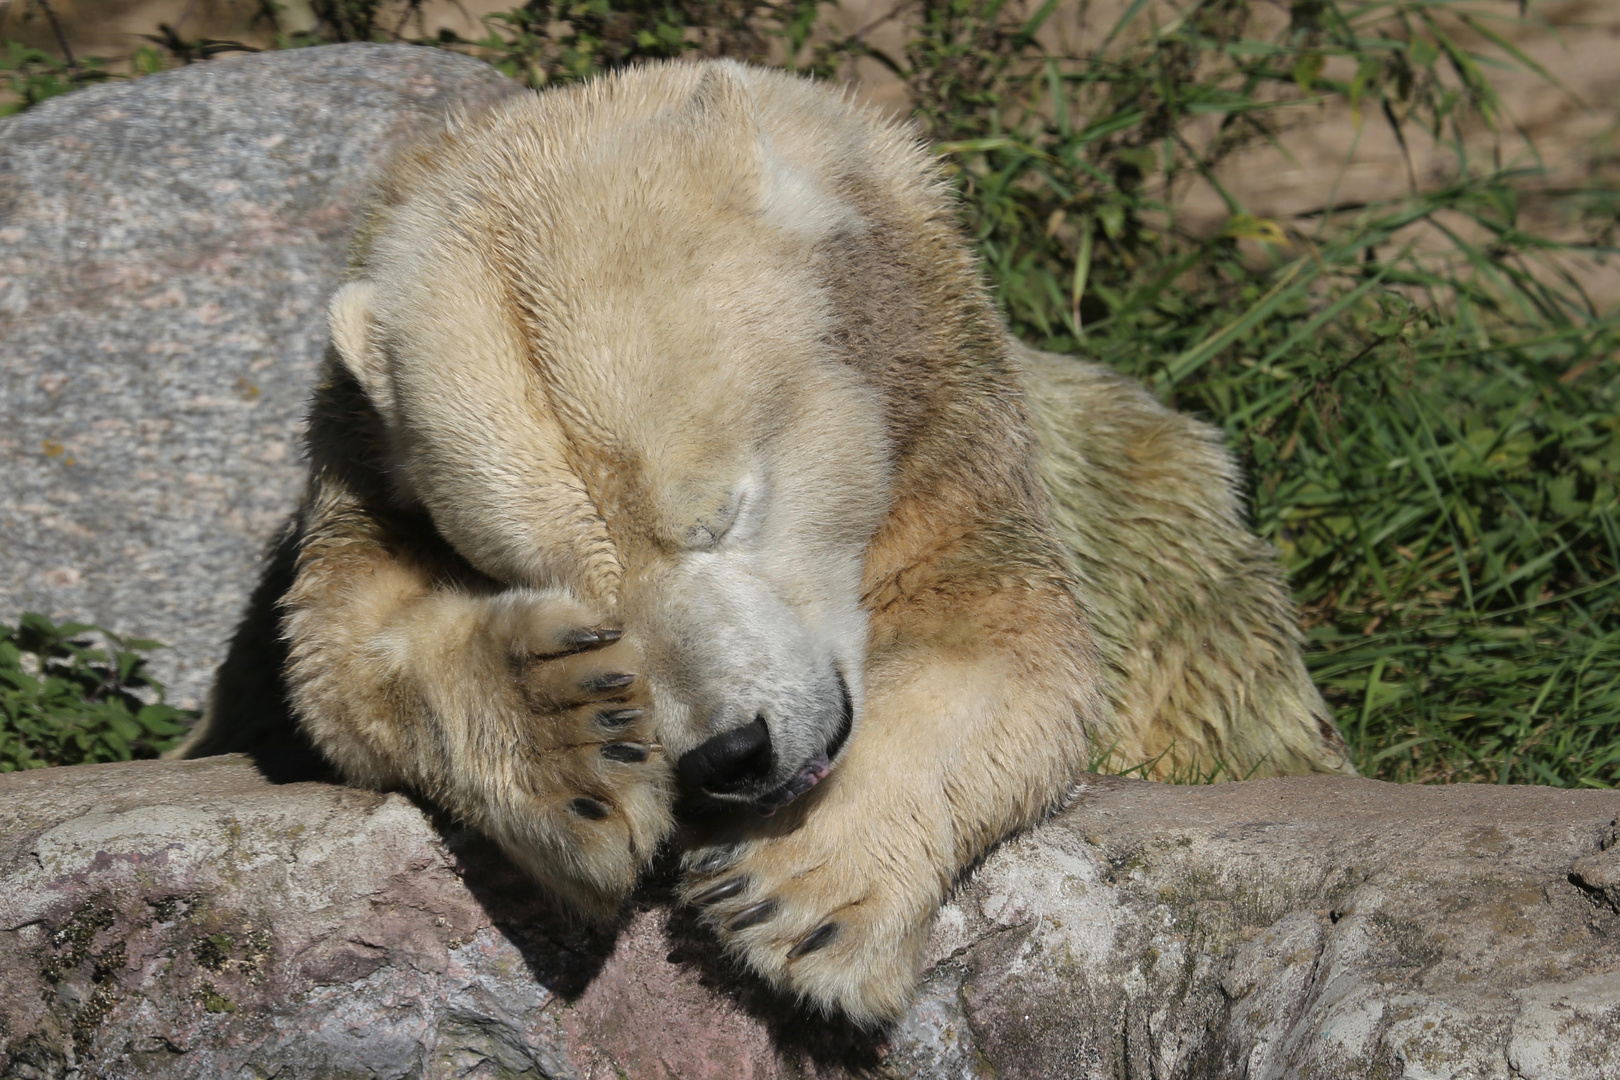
731 760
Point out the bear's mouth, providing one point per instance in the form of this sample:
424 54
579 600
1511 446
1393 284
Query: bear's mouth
818 767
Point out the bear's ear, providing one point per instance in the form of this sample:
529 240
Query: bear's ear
722 109
350 321
716 130
719 126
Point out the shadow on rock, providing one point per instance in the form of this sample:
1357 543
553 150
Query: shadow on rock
563 953
799 1033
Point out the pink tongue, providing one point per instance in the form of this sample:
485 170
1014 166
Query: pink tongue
814 772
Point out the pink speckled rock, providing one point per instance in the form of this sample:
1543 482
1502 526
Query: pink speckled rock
189 919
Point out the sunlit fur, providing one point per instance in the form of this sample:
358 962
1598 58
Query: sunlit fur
1190 611
697 352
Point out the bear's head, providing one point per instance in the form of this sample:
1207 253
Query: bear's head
593 326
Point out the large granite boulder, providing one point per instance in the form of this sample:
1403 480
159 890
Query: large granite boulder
189 919
167 247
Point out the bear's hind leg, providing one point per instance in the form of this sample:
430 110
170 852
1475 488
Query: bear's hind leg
1199 639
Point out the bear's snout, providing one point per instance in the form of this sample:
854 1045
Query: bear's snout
737 763
730 762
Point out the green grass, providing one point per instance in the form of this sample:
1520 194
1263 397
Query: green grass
1432 431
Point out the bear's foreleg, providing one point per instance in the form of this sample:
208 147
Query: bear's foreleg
978 699
514 709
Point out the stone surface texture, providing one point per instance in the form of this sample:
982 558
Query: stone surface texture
167 247
189 919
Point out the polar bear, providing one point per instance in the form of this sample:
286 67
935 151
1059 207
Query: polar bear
670 451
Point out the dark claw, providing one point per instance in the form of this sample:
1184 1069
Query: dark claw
723 891
583 640
628 752
601 683
752 915
589 808
617 718
814 940
714 860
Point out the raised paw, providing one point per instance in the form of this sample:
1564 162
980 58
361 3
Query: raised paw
823 905
585 790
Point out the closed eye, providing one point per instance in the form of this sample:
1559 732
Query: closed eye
710 531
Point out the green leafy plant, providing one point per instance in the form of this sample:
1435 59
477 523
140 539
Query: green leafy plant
588 38
65 700
168 46
29 76
548 41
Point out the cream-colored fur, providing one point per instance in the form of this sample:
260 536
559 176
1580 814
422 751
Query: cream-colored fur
671 404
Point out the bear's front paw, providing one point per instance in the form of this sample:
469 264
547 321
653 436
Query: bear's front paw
837 916
589 789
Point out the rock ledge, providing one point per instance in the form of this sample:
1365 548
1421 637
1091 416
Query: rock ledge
190 919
